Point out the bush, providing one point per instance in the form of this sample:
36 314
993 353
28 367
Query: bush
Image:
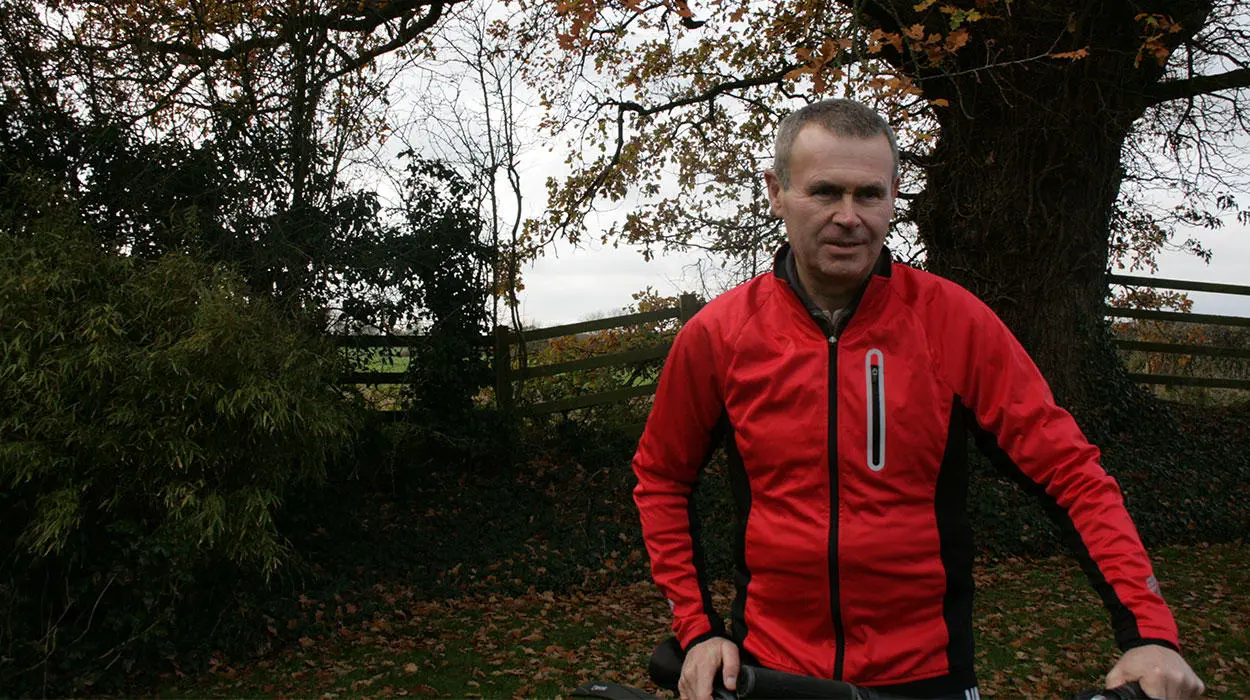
151 416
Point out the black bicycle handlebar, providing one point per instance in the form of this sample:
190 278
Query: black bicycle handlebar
1130 691
753 681
756 682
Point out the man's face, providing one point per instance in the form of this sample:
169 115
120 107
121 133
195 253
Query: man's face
838 207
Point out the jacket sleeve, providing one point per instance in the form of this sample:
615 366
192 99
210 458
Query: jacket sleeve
1031 438
674 447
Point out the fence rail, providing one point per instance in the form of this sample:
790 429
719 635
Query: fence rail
1179 317
1189 349
617 358
1183 348
506 376
1181 285
599 324
1183 380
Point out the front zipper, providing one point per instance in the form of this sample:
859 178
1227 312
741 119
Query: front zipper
835 604
874 378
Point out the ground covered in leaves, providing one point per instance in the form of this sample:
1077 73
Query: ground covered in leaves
1041 634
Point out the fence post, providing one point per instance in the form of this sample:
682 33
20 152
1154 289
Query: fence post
503 369
687 305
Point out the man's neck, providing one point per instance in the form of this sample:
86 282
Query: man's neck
829 299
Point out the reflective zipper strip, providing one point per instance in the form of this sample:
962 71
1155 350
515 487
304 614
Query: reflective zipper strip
874 377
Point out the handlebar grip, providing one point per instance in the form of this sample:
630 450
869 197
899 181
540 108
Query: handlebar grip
1128 691
755 682
665 664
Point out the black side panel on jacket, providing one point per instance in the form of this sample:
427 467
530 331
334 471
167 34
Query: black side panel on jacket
741 488
955 536
696 535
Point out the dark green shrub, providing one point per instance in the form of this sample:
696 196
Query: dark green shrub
151 416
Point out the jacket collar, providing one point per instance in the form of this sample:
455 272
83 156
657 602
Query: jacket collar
784 268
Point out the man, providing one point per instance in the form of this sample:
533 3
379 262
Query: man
845 382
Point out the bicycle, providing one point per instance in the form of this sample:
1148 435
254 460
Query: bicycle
756 682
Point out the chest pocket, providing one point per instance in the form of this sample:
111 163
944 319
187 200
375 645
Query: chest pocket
874 394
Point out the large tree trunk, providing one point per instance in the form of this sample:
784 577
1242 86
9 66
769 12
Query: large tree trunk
1017 209
1023 180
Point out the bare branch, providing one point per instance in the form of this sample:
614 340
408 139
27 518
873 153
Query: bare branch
1199 85
708 95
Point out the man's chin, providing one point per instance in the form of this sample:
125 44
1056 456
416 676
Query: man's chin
854 264
845 271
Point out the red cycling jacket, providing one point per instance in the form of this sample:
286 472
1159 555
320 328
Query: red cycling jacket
847 462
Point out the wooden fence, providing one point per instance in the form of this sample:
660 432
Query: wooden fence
1182 317
506 376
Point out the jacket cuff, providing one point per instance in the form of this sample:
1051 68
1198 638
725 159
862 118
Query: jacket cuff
1148 641
715 628
703 638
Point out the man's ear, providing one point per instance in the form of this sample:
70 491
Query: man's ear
897 180
774 192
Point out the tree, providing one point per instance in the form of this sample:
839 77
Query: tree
243 119
474 119
1031 131
448 262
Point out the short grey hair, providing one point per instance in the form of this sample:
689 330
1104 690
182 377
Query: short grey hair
839 117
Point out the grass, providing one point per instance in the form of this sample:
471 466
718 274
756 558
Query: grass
1041 633
379 359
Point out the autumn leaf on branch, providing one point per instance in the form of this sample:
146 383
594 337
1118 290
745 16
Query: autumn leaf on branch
1071 55
1155 29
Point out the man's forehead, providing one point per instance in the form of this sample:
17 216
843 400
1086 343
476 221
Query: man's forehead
843 179
824 154
847 172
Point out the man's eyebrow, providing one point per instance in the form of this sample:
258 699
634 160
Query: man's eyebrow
832 186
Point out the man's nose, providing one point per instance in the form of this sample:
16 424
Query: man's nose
845 211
